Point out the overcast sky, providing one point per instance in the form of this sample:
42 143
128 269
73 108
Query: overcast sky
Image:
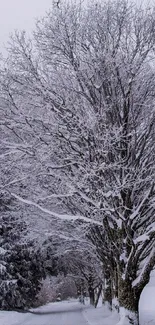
19 14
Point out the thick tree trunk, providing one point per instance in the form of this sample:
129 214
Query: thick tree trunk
128 302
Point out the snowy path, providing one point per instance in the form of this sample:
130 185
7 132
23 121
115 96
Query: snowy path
52 314
73 313
59 318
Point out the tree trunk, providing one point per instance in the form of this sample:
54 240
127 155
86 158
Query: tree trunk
91 296
115 303
91 290
98 296
115 284
108 294
128 301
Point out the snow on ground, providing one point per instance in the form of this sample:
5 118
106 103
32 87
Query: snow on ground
72 312
100 316
59 307
10 317
61 313
147 303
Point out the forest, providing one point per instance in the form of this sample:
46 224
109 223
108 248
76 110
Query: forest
77 157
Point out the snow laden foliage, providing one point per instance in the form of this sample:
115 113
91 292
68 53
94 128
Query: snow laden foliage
21 270
77 125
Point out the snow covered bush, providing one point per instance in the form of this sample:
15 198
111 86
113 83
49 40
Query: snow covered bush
54 286
47 292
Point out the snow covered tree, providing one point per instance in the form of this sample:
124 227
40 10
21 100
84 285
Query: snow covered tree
21 268
81 106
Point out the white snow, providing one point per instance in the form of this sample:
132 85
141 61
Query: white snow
61 313
2 251
147 303
100 316
52 313
72 312
141 238
138 279
124 314
136 211
2 268
54 214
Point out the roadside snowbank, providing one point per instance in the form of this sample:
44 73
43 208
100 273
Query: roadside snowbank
147 303
100 316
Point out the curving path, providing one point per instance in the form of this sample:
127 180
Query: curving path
52 314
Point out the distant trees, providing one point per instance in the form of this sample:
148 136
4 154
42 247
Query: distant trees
86 270
72 260
79 100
